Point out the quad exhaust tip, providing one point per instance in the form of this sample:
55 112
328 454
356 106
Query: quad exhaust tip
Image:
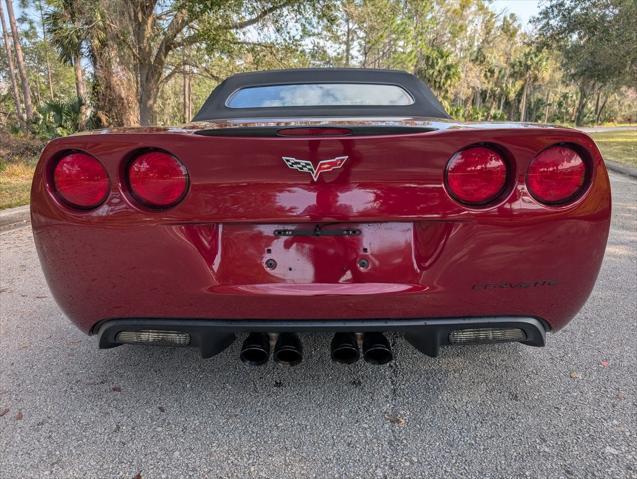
344 348
288 349
376 349
256 349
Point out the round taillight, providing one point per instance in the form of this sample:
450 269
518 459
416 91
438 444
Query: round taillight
556 175
157 179
476 175
81 181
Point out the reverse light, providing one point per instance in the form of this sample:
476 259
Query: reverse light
154 337
486 335
476 175
81 181
157 179
556 175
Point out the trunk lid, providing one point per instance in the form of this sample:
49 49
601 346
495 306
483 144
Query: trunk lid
393 172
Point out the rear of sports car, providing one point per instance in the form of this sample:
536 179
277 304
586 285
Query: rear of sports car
450 234
338 200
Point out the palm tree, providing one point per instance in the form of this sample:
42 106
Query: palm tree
26 91
12 72
46 52
530 67
65 25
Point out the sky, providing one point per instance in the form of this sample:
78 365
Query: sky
523 9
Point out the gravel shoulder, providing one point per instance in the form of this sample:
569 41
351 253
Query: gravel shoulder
567 410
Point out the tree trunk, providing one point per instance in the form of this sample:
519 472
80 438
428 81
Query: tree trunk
145 56
503 97
598 116
26 91
477 98
547 99
348 40
597 97
80 89
187 111
12 72
147 102
581 105
494 100
36 92
365 53
116 103
149 80
525 93
46 50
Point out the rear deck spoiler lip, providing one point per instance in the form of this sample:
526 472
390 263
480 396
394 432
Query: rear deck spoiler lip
354 130
430 123
213 336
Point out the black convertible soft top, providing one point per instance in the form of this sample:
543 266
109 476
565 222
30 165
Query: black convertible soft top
424 102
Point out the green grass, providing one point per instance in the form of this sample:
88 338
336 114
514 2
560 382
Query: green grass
619 146
15 184
18 156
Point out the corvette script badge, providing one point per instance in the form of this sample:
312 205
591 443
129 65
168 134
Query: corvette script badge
305 166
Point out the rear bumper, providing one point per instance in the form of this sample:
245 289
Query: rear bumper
426 269
213 336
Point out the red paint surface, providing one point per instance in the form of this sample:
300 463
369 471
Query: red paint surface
428 255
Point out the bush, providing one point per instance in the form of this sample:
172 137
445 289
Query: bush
19 148
57 118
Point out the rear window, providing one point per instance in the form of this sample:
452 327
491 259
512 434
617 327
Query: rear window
319 94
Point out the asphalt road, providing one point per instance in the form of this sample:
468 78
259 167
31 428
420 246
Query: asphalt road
567 410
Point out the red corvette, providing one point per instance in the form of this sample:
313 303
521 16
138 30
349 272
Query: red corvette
336 200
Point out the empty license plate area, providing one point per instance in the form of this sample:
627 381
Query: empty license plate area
316 253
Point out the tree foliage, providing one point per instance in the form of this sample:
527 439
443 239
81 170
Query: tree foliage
597 41
129 62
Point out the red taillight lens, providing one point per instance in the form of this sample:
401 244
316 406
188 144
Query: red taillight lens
158 179
556 175
81 181
476 175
